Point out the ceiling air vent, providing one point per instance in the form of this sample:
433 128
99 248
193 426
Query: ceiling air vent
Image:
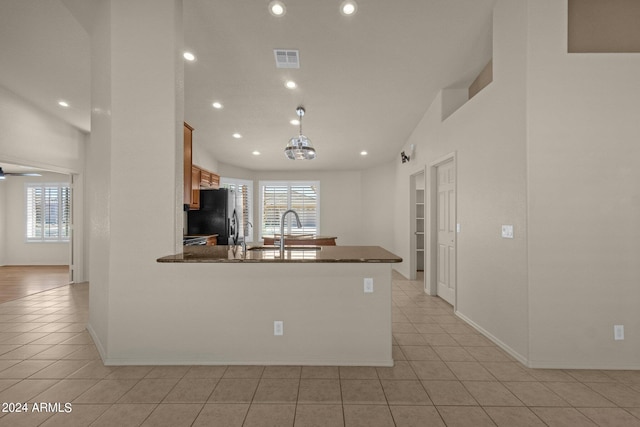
287 58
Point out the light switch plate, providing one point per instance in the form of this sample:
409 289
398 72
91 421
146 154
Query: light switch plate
278 327
618 332
457 228
507 231
368 285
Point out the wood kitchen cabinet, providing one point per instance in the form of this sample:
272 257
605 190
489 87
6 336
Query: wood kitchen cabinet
195 177
195 188
205 178
215 181
188 156
208 179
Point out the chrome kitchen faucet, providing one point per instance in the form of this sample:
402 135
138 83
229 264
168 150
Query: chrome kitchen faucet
282 228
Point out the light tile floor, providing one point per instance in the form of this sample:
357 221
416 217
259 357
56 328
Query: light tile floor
445 374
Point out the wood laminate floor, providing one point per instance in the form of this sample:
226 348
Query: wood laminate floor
20 281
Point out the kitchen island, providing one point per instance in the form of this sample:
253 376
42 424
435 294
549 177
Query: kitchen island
226 301
291 254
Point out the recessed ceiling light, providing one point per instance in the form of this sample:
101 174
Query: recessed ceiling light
256 153
189 56
277 8
64 104
295 122
237 135
363 153
348 7
217 105
291 84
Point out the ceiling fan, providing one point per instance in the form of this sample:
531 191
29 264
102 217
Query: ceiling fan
4 174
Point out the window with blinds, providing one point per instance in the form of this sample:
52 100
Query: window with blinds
276 197
48 212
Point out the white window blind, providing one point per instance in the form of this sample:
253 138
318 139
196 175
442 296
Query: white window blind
48 212
276 197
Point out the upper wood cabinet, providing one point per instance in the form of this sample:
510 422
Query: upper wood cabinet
188 156
194 176
205 178
208 179
215 181
195 188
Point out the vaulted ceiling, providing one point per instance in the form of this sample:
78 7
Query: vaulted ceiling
365 80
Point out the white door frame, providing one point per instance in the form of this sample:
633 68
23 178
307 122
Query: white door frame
76 245
76 248
413 257
431 230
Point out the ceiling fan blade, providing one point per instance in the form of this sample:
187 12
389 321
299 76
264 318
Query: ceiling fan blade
22 174
3 174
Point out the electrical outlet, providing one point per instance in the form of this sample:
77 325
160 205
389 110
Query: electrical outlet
618 332
507 231
368 285
278 327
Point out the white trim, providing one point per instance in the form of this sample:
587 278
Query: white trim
413 240
288 184
78 201
572 365
431 237
28 204
520 358
97 342
183 362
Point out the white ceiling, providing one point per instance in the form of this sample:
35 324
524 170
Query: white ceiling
365 80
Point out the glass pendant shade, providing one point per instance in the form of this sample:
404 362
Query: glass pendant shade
300 147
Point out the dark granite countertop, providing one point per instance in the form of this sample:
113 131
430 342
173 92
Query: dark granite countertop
297 254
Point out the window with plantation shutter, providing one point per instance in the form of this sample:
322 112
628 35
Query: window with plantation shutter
276 197
48 212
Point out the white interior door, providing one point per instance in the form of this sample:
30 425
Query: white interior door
446 224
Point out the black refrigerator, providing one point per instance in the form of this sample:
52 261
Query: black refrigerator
219 214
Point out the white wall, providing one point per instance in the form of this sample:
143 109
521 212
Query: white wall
488 135
584 199
202 157
31 137
340 202
134 164
99 175
355 206
378 196
230 171
3 225
551 147
17 250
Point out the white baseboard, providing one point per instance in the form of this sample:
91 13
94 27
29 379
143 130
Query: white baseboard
520 358
97 342
257 362
571 365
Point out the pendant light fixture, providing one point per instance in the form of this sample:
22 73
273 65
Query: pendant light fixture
300 147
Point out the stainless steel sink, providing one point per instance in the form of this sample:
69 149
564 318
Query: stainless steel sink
286 248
